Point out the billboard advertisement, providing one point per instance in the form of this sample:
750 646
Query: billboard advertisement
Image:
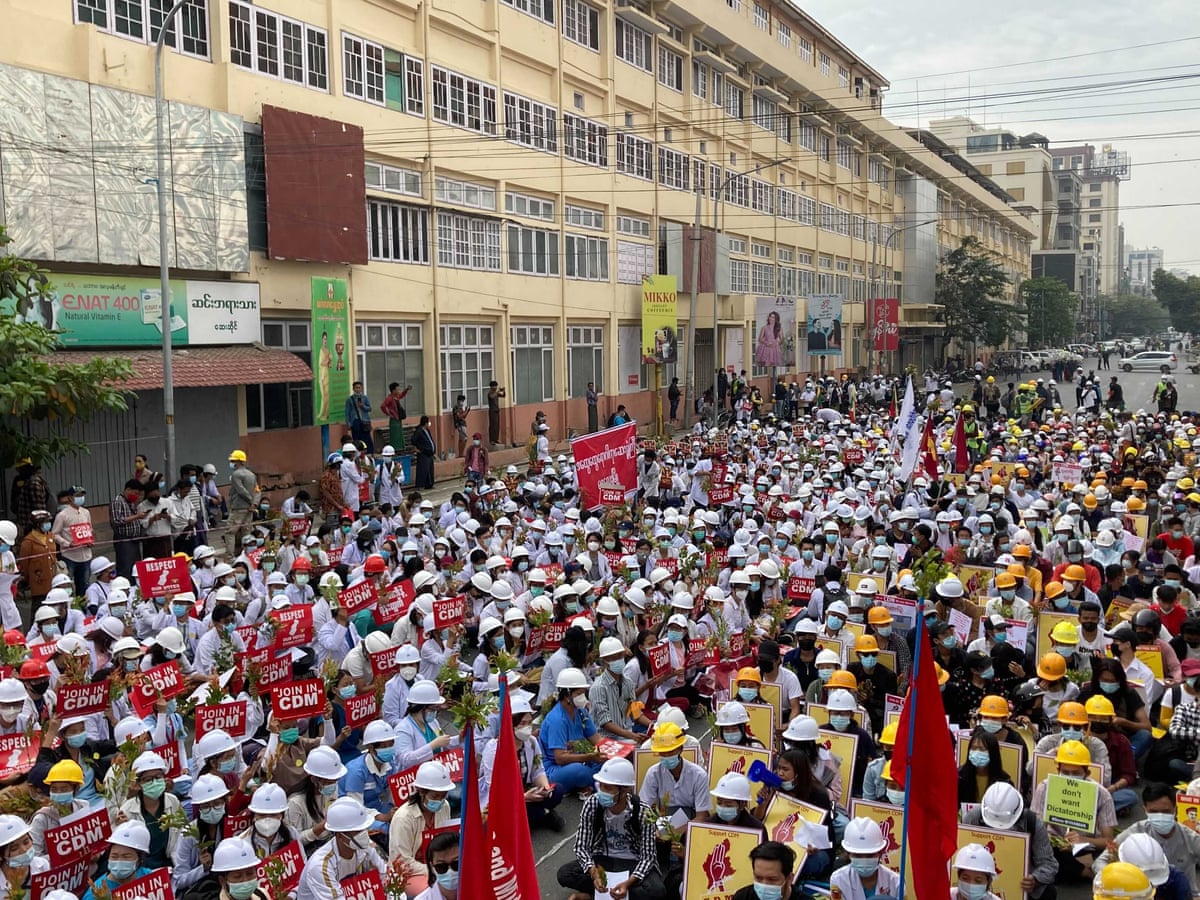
660 335
824 325
331 362
886 324
775 321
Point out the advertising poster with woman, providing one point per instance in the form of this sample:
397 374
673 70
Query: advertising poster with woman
331 362
824 325
775 321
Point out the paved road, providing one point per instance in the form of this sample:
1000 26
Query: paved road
1138 386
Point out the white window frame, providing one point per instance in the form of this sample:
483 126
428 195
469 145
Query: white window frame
674 169
739 276
392 179
843 77
760 249
634 226
529 206
298 394
635 156
468 242
808 210
670 68
537 341
737 244
762 18
542 10
581 24
531 251
583 217
699 79
460 192
804 50
585 257
249 23
465 102
586 341
735 101
585 141
397 232
635 260
364 74
824 62
393 339
105 16
530 123
634 46
476 354
762 278
764 112
784 33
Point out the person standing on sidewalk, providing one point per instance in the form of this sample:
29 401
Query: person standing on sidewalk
495 395
673 395
37 557
73 533
358 416
393 407
593 408
242 485
126 524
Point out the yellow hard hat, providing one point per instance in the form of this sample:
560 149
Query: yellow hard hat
1140 485
1121 881
1073 753
991 379
1135 504
994 707
65 770
1099 706
866 644
1090 501
886 772
968 408
667 737
888 736
237 456
1071 713
1065 633
1074 573
1004 581
749 673
1185 484
843 679
1052 667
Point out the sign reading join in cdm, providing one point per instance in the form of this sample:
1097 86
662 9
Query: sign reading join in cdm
104 311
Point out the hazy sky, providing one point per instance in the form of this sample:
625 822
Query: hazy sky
1003 64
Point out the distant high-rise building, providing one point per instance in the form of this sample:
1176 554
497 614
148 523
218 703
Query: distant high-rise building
1141 266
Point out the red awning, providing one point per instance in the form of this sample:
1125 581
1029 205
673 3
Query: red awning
201 366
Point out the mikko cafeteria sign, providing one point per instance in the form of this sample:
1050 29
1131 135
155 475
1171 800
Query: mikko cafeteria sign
98 311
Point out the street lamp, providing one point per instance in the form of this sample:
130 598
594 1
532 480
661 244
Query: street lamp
697 237
870 329
163 273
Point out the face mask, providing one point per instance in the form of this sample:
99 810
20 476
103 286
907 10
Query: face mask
227 765
269 567
50 630
979 758
572 606
1172 582
1072 734
1163 823
839 723
329 790
1109 687
833 623
449 880
747 694
868 662
242 890
346 692
950 641
121 869
580 701
79 500
767 891
831 539
732 736
62 798
617 666
697 535
674 636
498 642
524 733
301 580
824 674
289 735
268 828
605 799
77 740
727 813
1062 601
972 891
865 867
155 789
385 754
857 618
434 805
807 555
213 815
985 529
895 797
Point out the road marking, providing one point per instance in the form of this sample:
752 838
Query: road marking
549 853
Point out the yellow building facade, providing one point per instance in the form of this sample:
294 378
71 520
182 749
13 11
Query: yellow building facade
528 161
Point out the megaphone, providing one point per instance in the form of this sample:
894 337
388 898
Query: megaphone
761 772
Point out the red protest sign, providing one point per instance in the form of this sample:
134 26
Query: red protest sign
717 474
81 534
367 886
721 556
535 641
737 644
69 877
616 559
360 709
274 672
170 754
553 635
660 658
552 570
81 699
614 749
800 588
163 577
297 527
81 837
162 682
155 886
671 564
721 493
44 651
358 596
395 602
449 611
236 823
293 626
229 717
698 653
383 662
18 753
299 699
335 556
248 634
606 465
254 557
854 456
291 858
401 784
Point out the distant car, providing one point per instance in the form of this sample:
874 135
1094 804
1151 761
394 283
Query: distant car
1150 361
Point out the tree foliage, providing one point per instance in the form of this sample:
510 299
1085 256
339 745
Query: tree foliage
1133 315
32 387
1181 297
970 288
1050 307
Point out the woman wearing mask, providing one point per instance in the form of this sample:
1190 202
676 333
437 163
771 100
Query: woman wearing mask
801 735
367 776
733 725
1130 717
418 735
425 810
91 756
731 803
800 783
18 860
982 768
974 869
267 833
193 856
350 853
395 692
236 868
491 643
128 846
63 780
863 876
309 803
148 805
347 740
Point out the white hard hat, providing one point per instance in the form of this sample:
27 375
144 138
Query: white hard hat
425 693
407 653
269 798
149 761
618 772
323 762
502 590
611 646
769 568
433 776
841 701
234 854
132 834
733 786
207 788
659 574
12 691
488 624
170 638
127 729
513 614
377 642
1143 851
379 731
347 815
607 606
11 828
672 714
1001 806
8 532
828 658
214 743
975 858
732 713
800 728
863 835
570 679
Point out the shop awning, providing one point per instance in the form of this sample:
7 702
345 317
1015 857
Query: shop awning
194 367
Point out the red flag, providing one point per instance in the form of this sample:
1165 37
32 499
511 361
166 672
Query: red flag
962 459
510 851
929 457
932 797
472 879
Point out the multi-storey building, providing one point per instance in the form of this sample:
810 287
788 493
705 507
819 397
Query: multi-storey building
1142 264
1101 173
491 181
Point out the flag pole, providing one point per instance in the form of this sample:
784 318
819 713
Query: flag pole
911 702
